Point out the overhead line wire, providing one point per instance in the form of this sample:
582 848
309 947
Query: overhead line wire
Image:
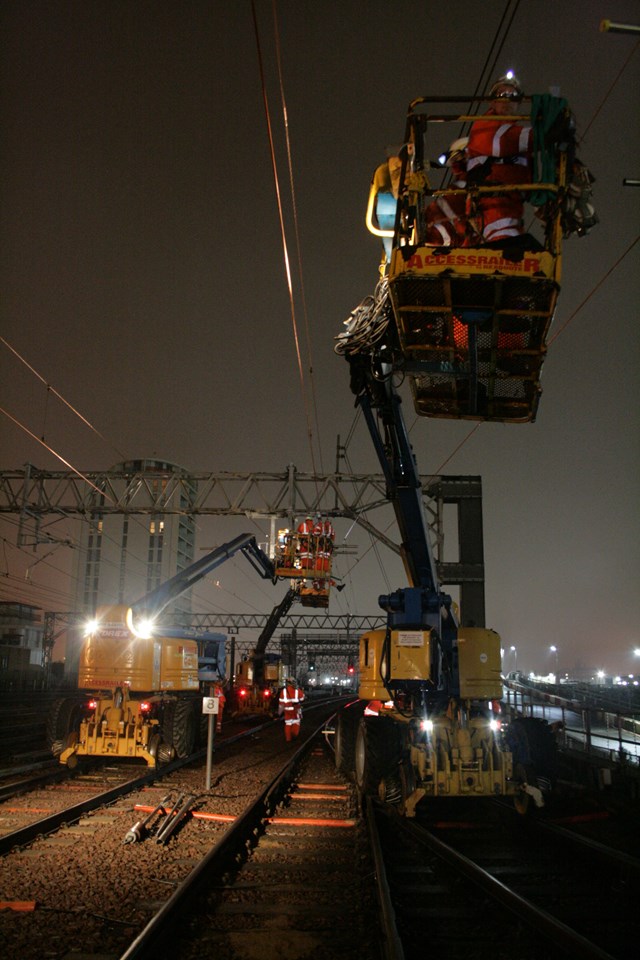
303 298
285 248
593 291
56 393
608 93
51 389
55 454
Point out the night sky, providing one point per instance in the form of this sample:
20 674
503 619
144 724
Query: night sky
143 278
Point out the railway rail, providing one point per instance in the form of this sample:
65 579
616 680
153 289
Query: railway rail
86 887
485 883
275 860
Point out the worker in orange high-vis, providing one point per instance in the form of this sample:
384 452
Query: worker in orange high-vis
324 536
305 543
219 693
499 152
290 706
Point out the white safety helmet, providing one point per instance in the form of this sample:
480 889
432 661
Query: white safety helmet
513 89
456 150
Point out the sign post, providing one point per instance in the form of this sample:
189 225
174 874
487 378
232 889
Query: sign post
210 707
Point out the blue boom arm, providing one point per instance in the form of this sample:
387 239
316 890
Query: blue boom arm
422 604
154 603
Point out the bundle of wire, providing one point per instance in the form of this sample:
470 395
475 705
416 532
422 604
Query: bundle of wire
366 324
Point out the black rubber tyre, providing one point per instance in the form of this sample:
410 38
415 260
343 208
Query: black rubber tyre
166 724
347 723
377 753
184 728
64 717
533 746
535 756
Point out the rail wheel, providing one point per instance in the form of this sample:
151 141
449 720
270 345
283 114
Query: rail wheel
64 717
70 740
160 751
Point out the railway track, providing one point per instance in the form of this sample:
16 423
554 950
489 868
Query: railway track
64 795
87 888
486 883
293 877
275 861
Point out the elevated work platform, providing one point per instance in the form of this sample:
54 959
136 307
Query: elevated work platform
459 311
472 327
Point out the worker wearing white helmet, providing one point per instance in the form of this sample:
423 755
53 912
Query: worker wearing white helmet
500 151
290 706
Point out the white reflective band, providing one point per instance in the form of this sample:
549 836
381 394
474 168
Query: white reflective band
444 233
497 137
475 162
523 141
506 228
445 206
285 699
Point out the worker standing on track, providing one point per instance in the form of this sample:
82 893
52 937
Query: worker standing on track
290 705
219 693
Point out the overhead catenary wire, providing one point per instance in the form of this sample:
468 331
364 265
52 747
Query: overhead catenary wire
56 454
50 389
283 236
58 395
593 290
285 116
609 91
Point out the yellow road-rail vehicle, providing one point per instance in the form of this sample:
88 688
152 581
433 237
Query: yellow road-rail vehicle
140 684
466 326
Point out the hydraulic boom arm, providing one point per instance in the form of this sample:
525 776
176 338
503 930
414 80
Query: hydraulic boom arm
153 603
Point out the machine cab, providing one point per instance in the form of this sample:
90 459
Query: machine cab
471 316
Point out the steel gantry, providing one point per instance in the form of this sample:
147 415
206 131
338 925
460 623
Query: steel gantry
41 498
36 496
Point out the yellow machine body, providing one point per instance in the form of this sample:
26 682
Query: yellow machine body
131 676
252 698
112 656
118 727
479 664
409 656
456 752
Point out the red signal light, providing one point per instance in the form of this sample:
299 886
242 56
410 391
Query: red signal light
266 693
242 692
93 704
145 706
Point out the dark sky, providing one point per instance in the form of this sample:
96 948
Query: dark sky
143 277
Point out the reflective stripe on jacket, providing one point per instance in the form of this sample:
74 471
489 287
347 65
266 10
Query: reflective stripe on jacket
508 145
290 701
